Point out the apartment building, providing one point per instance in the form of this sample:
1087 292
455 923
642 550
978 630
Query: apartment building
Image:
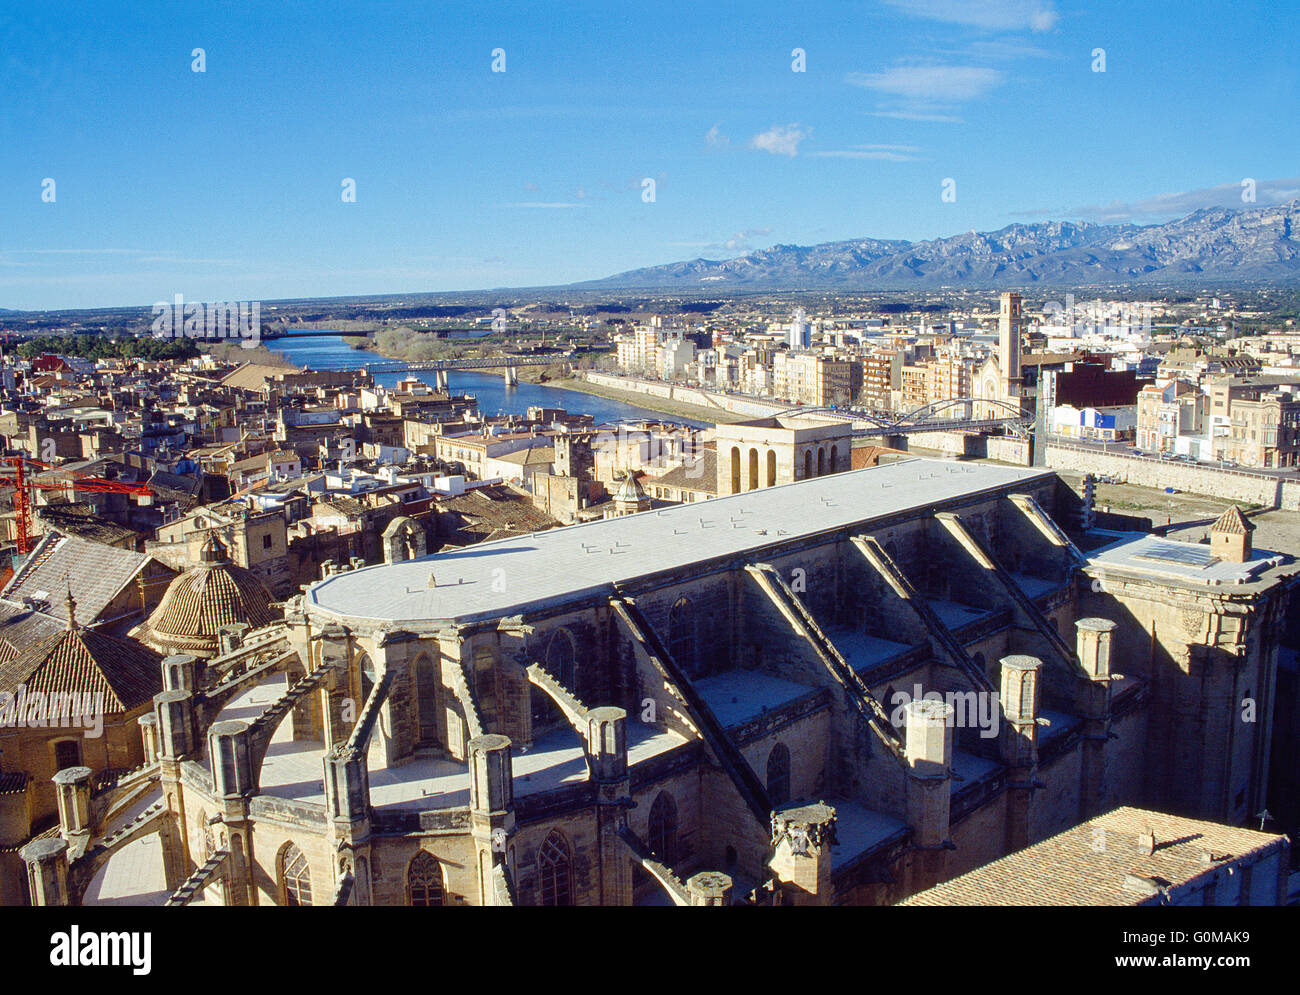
812 379
1255 421
474 451
882 374
642 350
943 378
1168 410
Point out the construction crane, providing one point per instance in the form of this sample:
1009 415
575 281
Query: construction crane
25 483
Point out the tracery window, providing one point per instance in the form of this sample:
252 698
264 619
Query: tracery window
295 877
424 880
681 635
555 870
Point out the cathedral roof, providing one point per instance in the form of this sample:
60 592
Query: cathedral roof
560 566
1233 522
203 599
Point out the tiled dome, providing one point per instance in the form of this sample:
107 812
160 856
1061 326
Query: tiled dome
203 599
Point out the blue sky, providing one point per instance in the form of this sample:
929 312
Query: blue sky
226 184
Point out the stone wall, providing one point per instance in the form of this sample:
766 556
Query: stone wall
1008 449
1231 485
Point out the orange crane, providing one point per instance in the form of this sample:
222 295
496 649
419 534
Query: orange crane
26 483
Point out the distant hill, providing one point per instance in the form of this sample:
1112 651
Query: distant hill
1214 245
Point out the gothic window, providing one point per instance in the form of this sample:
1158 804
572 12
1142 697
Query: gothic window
835 455
821 461
485 686
753 470
681 635
778 774
807 464
426 698
367 671
771 468
554 871
560 660
295 878
424 880
735 469
663 828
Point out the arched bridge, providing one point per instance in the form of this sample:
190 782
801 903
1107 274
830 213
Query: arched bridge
955 415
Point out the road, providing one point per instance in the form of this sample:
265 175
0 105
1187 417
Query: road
1126 450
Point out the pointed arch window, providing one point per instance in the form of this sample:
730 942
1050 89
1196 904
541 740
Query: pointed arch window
663 828
561 660
424 880
681 635
426 697
778 774
295 876
555 870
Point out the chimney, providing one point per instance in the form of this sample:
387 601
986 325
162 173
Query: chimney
1147 842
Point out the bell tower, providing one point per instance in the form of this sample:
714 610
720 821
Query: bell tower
1009 327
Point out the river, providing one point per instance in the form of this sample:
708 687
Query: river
330 352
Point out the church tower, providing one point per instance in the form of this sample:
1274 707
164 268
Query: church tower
1009 325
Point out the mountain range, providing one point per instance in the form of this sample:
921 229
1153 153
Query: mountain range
1209 246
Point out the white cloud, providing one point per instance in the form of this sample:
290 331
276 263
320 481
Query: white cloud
945 84
1000 48
918 116
1174 205
715 138
780 139
741 241
884 153
929 92
999 15
1167 206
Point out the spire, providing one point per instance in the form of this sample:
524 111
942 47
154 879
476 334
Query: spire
71 603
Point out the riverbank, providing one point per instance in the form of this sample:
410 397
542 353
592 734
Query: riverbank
663 406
